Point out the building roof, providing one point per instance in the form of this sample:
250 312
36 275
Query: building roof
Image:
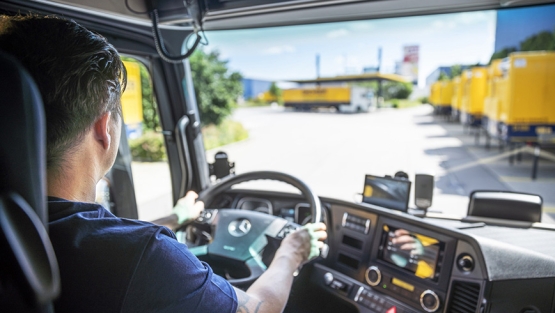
355 78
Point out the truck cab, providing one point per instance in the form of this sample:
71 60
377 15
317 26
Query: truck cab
468 264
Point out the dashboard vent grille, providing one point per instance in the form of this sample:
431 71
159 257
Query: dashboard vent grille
464 297
358 224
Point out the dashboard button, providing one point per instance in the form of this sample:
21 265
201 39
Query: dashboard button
373 276
328 278
393 309
429 301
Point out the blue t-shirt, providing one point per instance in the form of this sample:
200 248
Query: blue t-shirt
111 264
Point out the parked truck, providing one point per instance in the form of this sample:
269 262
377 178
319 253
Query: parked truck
349 99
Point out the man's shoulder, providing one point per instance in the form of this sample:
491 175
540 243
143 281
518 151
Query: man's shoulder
92 221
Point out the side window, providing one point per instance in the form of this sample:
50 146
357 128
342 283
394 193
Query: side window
150 168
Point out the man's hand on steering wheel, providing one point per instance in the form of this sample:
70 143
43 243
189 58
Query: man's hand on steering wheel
304 243
186 209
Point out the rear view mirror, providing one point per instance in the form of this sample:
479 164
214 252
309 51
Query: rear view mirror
506 205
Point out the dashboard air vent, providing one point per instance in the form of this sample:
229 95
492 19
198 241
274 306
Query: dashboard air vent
358 224
465 297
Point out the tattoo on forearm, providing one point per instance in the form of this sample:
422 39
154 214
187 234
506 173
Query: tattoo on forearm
247 305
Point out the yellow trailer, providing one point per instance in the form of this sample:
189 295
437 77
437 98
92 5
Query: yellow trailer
456 101
344 99
267 97
496 87
443 107
132 100
474 93
527 105
435 91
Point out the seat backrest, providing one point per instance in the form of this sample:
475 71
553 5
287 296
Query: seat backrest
28 269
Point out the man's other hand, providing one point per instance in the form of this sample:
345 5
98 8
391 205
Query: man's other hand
270 291
305 243
187 209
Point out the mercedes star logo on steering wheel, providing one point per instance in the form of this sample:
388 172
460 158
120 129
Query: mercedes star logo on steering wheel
239 228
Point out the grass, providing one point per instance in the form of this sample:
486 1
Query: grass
402 104
227 132
254 103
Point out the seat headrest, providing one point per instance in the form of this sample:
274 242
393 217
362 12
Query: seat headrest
22 136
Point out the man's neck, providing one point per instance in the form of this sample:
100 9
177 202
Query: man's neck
75 180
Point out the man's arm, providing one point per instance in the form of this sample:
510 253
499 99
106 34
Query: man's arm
269 293
185 210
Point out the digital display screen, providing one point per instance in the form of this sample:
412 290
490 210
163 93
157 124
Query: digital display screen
411 251
288 214
387 192
304 214
300 214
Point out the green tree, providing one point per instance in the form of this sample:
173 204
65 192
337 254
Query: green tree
456 70
540 41
216 88
396 90
151 121
274 90
502 54
442 76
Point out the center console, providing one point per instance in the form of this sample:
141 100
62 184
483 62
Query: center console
411 264
386 265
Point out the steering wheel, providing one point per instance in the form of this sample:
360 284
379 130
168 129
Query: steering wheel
241 235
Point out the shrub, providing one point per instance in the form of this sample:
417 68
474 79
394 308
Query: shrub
394 103
227 132
148 148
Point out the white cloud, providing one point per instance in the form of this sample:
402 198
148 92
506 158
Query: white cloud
362 26
280 50
461 19
444 25
342 32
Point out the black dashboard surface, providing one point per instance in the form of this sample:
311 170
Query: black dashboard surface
475 268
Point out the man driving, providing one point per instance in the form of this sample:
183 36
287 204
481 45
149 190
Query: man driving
110 264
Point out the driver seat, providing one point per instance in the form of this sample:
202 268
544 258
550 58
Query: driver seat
29 274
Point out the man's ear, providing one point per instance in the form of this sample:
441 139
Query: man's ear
101 129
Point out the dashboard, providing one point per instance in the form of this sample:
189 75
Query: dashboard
381 260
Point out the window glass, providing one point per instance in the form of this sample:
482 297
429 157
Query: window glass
331 103
151 174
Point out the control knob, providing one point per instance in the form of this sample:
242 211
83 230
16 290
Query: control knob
465 263
429 301
373 276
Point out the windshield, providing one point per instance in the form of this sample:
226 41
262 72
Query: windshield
332 103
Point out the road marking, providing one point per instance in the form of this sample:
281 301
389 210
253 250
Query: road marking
548 209
525 179
489 160
485 160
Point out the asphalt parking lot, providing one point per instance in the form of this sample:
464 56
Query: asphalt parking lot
332 152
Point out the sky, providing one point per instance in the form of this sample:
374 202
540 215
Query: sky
288 53
515 25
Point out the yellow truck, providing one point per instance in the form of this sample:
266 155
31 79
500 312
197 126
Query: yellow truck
473 95
348 99
525 97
